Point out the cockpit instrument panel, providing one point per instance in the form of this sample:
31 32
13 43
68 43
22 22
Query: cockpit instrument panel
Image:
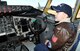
22 24
6 26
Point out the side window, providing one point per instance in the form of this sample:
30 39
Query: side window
78 15
69 2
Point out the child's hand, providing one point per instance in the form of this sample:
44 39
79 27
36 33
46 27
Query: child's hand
48 44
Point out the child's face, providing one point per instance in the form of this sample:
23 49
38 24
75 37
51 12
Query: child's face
60 16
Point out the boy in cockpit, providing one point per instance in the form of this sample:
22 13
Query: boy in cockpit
63 33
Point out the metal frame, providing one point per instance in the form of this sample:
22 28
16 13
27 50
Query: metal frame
76 9
47 6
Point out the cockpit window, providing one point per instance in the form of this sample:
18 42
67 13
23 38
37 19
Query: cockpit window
39 3
34 3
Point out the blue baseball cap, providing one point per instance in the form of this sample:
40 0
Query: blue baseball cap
63 8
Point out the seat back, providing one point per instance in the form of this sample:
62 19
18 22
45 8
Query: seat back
77 38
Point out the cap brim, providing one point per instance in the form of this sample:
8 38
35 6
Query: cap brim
53 12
